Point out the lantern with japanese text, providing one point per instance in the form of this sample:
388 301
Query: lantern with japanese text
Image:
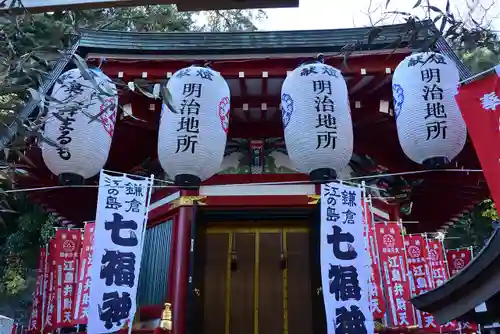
430 127
193 129
317 120
79 125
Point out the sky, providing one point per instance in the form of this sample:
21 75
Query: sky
331 14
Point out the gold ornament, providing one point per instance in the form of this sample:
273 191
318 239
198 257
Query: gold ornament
166 317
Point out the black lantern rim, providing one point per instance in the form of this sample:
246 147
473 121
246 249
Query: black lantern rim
436 162
70 179
323 175
187 181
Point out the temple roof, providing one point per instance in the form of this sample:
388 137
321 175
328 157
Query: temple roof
478 282
299 41
255 65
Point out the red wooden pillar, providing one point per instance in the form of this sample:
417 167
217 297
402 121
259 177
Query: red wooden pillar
181 270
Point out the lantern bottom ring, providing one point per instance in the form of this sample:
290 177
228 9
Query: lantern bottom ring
435 162
322 175
187 181
66 179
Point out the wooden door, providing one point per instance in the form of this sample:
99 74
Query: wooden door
316 294
257 281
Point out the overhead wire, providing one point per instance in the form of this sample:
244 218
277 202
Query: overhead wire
170 184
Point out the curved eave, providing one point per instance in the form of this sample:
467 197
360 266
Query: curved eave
255 42
475 284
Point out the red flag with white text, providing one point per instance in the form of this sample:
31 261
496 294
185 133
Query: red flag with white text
50 303
82 295
457 259
45 284
438 266
479 103
420 273
393 263
439 271
35 323
68 243
377 302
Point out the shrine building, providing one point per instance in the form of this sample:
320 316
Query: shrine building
230 255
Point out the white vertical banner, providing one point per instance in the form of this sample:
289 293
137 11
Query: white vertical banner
345 263
117 251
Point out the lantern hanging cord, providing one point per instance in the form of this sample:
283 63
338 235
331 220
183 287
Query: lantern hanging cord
477 75
169 184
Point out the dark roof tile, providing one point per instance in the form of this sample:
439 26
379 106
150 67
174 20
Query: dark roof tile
238 42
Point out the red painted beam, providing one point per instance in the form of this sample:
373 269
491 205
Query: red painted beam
140 106
255 129
263 201
278 67
254 178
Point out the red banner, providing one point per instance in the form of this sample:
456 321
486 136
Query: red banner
457 259
439 271
36 316
420 272
377 302
479 103
51 300
467 327
68 243
82 297
437 260
394 268
45 284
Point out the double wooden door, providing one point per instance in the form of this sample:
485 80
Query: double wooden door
256 281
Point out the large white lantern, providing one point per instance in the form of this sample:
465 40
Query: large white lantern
192 136
430 127
317 120
80 120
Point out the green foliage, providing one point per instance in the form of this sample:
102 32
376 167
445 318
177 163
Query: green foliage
153 18
474 228
13 278
481 59
232 20
26 227
489 210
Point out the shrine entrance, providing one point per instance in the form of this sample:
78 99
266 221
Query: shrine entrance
256 280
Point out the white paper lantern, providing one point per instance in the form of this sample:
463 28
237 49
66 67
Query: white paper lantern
84 142
430 127
317 120
192 137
